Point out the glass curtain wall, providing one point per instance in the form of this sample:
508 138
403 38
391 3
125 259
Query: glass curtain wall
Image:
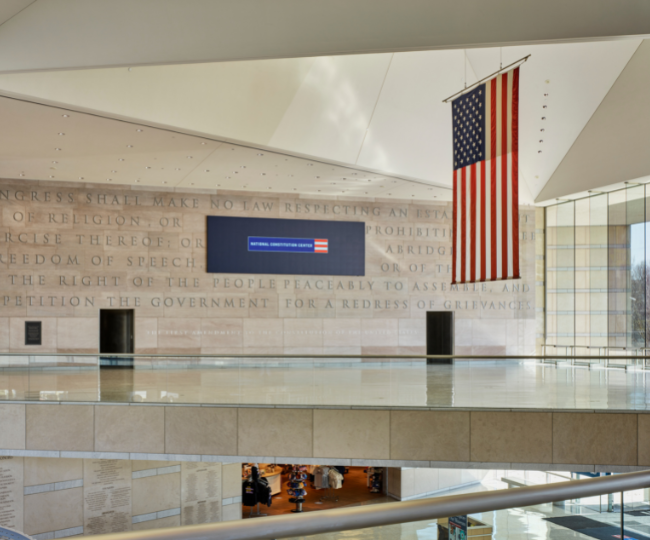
597 275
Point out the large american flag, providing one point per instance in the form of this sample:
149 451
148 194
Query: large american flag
486 196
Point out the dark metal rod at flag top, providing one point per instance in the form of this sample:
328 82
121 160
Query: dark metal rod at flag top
522 60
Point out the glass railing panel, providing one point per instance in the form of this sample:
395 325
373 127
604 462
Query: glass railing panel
599 378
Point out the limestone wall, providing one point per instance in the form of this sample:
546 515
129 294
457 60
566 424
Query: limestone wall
67 251
57 497
524 439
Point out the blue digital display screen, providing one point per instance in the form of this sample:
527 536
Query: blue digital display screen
288 245
285 246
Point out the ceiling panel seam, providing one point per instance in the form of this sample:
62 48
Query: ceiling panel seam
199 163
372 114
17 13
540 196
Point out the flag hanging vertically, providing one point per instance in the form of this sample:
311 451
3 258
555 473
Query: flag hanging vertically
486 196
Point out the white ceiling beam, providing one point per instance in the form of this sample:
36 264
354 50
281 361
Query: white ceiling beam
77 34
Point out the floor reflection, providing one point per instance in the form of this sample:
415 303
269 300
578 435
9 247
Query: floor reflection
464 384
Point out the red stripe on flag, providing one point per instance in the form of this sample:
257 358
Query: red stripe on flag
504 176
493 177
515 173
463 226
454 219
472 232
484 223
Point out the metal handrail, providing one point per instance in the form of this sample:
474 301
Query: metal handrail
360 517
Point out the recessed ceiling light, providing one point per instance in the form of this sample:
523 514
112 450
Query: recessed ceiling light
129 146
137 180
120 159
177 169
61 133
22 174
81 178
138 130
113 171
109 179
164 181
65 115
57 149
227 177
147 167
51 176
260 154
54 162
243 166
190 157
203 143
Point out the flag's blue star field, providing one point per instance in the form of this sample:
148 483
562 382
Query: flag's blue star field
469 127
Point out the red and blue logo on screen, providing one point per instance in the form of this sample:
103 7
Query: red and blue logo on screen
288 245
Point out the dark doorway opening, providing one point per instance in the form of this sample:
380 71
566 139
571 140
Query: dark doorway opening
116 331
440 335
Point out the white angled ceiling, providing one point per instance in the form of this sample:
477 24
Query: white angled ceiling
613 146
80 34
379 113
48 143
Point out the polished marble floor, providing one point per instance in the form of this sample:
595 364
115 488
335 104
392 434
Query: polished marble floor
494 384
514 524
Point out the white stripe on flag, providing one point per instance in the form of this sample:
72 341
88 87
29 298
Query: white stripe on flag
508 127
468 226
498 206
479 225
488 184
458 227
